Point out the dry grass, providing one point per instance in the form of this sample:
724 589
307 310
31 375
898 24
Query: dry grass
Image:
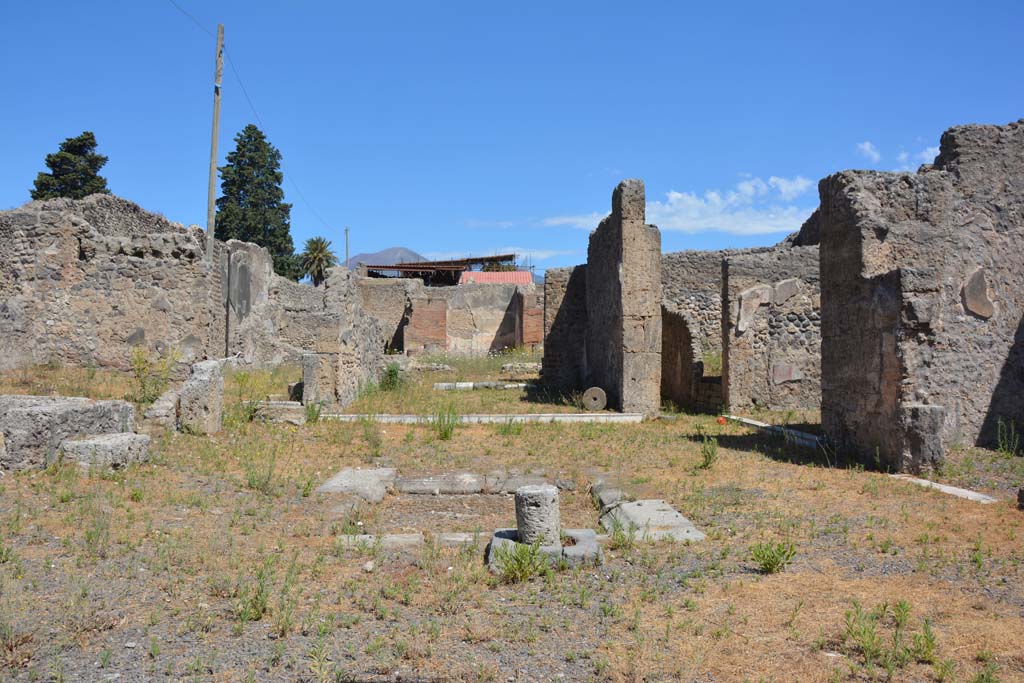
178 556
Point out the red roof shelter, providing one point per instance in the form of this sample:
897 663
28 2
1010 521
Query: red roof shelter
502 277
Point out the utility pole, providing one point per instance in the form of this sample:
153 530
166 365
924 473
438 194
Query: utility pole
346 248
211 214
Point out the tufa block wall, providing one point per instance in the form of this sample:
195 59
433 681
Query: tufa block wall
603 325
923 301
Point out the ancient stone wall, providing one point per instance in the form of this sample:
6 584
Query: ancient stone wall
82 282
923 301
564 364
771 329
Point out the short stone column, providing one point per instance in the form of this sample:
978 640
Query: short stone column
537 514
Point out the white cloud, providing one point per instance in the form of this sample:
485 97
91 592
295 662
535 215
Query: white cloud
752 207
585 221
869 150
790 188
928 154
687 212
910 162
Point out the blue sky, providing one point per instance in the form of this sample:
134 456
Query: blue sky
479 127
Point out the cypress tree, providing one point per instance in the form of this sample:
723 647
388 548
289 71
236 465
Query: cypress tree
74 170
252 206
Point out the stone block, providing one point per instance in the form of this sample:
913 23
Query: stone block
652 520
319 378
786 372
282 412
784 290
454 483
923 449
34 427
201 402
976 295
607 494
750 300
164 410
107 450
370 484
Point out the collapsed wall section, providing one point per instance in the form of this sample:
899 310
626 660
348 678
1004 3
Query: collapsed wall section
923 301
771 329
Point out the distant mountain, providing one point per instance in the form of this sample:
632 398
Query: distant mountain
538 278
385 257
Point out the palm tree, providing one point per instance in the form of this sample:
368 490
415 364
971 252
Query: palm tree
317 257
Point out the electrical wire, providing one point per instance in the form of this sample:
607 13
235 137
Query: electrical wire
252 107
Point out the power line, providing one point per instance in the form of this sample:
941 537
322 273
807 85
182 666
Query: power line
252 107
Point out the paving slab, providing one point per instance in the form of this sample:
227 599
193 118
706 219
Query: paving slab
469 386
385 541
452 483
457 539
370 484
652 519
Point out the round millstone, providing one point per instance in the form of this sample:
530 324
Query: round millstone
594 398
537 515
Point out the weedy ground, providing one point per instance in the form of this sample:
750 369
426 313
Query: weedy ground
219 561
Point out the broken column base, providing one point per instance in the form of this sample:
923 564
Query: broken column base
582 550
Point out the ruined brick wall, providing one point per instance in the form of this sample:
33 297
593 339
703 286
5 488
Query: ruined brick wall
482 317
923 301
564 362
426 331
771 329
532 319
82 282
623 287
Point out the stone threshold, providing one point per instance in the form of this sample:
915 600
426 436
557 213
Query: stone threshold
790 435
967 494
469 386
620 418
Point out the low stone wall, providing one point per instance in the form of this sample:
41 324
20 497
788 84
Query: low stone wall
923 301
772 330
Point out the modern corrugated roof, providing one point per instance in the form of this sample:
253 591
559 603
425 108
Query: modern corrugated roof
502 277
